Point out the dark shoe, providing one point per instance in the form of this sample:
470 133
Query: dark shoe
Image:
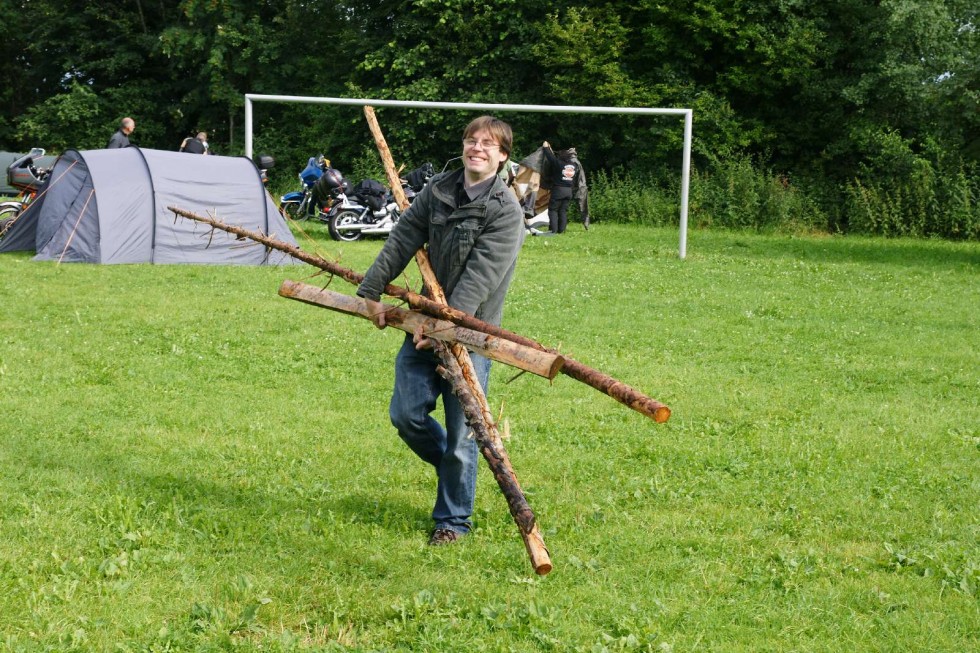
442 536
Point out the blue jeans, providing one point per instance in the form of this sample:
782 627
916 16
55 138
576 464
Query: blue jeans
448 449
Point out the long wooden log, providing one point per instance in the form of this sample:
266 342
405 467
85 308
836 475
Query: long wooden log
510 353
616 389
432 287
488 440
469 391
394 182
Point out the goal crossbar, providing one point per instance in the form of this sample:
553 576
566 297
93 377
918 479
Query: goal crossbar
687 114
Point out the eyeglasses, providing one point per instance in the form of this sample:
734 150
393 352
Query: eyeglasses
486 145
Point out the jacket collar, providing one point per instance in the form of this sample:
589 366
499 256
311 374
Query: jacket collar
444 187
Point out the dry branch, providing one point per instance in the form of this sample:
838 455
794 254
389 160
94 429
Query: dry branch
616 389
458 369
490 445
394 182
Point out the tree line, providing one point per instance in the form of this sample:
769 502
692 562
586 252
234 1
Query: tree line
869 108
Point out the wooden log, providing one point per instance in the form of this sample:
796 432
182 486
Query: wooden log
510 353
488 440
394 181
616 389
432 287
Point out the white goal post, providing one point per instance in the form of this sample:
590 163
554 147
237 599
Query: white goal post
472 106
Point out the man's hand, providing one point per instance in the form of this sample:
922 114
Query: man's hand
420 339
376 313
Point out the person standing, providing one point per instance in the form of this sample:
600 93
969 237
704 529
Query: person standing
564 181
580 189
474 227
196 145
121 137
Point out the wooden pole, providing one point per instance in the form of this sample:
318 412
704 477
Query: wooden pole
492 447
510 353
601 381
394 181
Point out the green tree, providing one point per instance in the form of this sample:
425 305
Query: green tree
457 50
64 120
218 51
80 67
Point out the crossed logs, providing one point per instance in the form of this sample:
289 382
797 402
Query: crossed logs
453 332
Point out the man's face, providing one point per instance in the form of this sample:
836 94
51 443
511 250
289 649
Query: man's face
481 155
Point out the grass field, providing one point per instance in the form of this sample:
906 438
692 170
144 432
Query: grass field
190 463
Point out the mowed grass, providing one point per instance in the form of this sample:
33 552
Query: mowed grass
189 462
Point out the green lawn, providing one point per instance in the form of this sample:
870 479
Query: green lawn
190 463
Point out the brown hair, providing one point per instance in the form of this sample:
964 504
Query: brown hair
497 128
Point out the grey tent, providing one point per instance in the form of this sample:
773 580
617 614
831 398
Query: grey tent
110 206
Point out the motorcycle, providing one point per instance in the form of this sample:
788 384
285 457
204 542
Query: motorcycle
24 175
301 204
370 208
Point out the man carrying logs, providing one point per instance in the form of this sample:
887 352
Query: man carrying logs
473 227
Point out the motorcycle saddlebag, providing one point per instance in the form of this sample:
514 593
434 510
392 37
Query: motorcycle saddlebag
265 162
372 192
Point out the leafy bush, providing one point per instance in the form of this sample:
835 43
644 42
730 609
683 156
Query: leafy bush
898 193
626 198
734 194
740 193
901 192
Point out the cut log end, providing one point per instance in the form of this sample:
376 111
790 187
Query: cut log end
538 552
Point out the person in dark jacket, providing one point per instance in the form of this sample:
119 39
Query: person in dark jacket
121 137
196 145
565 181
474 227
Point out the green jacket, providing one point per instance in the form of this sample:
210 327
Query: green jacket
473 248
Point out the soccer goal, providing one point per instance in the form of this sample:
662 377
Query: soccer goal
687 114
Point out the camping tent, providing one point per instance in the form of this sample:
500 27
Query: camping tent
110 206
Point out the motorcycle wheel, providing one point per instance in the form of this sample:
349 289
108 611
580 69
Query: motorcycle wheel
291 211
8 215
336 226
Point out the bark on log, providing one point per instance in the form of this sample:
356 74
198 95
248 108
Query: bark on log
616 389
510 353
432 287
394 182
490 445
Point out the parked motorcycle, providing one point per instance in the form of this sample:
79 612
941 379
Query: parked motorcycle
300 204
28 178
370 208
